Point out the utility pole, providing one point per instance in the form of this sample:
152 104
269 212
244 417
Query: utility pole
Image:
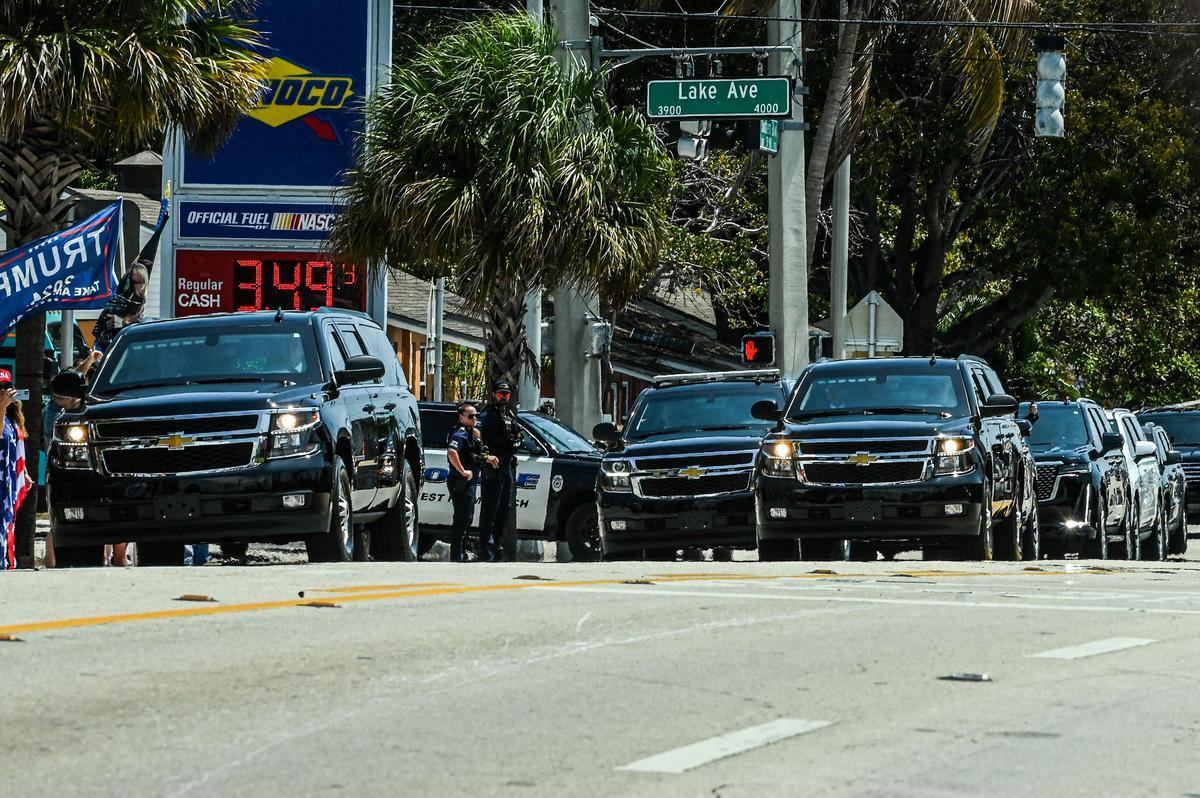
530 388
788 295
439 328
576 377
838 268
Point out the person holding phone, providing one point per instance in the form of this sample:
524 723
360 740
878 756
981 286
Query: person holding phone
16 481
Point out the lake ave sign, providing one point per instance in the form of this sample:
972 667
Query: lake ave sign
719 98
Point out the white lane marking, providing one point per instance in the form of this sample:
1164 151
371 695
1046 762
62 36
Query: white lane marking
1106 646
692 756
1003 605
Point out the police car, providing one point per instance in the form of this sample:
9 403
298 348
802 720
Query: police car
555 486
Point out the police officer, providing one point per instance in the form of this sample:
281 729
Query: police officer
498 426
464 450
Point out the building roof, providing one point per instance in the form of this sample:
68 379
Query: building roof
144 158
147 206
408 307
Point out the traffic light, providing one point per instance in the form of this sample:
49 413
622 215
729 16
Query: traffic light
693 139
1051 93
758 349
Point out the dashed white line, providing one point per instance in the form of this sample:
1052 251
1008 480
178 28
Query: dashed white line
680 760
1105 646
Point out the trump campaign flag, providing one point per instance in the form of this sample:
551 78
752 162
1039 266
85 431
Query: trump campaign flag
68 270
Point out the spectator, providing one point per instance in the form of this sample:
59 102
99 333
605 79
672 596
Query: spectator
12 469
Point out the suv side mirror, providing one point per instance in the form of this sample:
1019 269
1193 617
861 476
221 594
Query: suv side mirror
1111 442
1026 428
1144 449
766 410
1174 457
606 432
998 404
360 368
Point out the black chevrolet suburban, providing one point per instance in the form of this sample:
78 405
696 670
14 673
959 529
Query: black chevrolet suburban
894 454
678 476
241 427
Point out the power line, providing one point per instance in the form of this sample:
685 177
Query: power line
1145 28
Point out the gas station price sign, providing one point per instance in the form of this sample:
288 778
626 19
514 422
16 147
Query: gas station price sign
209 281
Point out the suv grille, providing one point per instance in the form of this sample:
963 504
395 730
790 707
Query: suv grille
678 486
1192 471
176 461
851 446
1046 477
872 474
158 427
700 460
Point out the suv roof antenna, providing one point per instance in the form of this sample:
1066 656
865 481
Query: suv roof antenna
279 314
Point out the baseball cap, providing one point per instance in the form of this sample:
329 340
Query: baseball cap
502 387
6 377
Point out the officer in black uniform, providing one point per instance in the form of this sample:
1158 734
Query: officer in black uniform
464 450
498 425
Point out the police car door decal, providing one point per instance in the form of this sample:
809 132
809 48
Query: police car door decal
532 492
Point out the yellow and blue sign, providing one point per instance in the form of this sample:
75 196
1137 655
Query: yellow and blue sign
302 131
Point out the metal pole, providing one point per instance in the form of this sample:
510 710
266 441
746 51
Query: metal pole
530 387
576 377
838 276
66 346
439 319
788 295
872 315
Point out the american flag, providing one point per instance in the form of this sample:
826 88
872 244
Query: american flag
16 487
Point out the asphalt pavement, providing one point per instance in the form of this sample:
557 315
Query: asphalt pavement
642 679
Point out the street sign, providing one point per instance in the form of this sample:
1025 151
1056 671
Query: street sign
768 135
719 98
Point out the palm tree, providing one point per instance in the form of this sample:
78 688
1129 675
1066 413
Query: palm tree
78 75
487 162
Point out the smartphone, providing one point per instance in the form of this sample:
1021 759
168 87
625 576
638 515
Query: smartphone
22 395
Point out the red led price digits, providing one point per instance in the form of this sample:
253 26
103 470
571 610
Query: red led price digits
293 287
349 274
320 285
255 284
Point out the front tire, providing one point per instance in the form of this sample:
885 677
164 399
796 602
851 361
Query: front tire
1032 536
396 537
1156 546
1178 541
979 546
337 543
583 533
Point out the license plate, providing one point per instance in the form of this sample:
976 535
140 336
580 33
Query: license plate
176 508
864 511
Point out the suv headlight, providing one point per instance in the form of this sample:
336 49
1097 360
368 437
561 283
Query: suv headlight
293 433
779 458
953 456
614 476
70 446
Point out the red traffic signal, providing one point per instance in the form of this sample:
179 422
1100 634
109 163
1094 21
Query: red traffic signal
758 349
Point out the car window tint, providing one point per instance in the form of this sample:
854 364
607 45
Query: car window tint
351 340
337 360
382 347
436 426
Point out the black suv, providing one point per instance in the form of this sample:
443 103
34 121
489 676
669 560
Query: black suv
678 476
1082 479
241 427
1182 423
894 454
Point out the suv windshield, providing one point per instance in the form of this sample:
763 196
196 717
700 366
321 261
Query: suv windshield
558 434
180 356
1057 427
1183 428
699 408
917 389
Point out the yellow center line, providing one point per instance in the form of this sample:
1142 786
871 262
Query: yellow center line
367 593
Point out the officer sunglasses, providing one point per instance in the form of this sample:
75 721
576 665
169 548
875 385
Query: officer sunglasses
504 394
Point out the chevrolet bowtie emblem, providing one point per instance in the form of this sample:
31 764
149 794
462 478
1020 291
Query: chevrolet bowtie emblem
692 472
175 441
861 458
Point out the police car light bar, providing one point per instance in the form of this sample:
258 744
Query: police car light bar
761 375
